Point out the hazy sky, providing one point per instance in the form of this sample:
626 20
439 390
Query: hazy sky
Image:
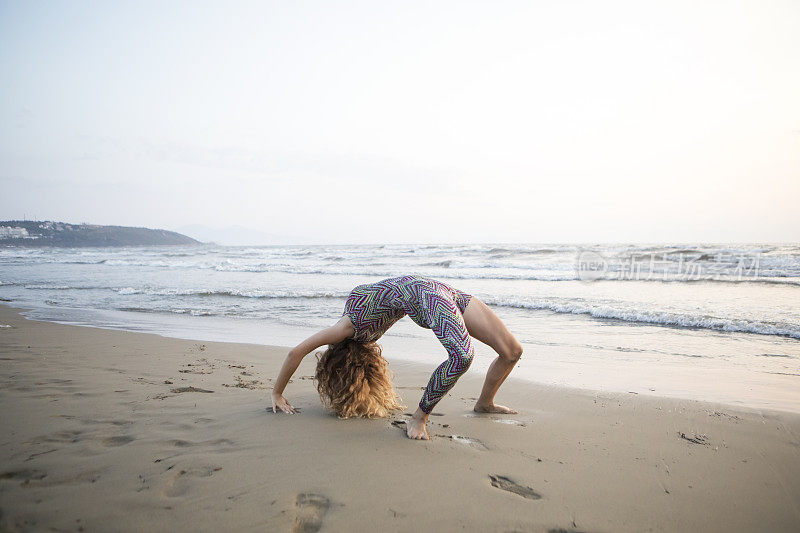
407 121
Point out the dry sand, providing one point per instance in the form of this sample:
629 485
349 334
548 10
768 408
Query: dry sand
114 431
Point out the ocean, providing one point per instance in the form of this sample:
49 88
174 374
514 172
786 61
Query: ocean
719 323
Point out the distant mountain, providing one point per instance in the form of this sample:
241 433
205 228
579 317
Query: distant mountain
236 236
42 234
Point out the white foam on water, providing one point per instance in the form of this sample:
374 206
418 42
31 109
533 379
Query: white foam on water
657 317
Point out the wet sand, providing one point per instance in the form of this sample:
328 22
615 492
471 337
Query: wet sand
114 431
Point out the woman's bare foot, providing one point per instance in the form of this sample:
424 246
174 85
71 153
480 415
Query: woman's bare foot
493 408
415 426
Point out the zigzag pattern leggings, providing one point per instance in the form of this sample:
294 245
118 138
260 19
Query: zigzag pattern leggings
447 323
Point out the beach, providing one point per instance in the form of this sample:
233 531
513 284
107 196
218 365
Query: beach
107 430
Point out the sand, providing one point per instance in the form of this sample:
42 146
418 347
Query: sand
107 430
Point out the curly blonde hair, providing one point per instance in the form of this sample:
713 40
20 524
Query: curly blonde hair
354 380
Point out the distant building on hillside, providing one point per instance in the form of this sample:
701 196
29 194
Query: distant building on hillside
13 232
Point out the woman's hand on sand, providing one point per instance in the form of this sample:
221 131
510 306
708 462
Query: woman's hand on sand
279 402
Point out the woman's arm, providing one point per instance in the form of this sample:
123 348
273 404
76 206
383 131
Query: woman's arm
338 332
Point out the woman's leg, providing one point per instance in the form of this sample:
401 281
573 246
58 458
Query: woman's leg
449 327
483 324
454 337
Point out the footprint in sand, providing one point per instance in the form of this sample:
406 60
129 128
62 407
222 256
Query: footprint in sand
509 421
190 389
179 483
67 436
38 478
309 511
468 441
118 423
504 483
25 475
181 443
119 440
461 439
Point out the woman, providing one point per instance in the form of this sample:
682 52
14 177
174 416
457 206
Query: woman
354 379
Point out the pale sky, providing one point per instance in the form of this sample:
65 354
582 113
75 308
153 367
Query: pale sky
350 122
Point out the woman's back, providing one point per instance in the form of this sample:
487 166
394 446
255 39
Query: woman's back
375 307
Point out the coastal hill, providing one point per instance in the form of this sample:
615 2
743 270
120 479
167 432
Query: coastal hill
43 234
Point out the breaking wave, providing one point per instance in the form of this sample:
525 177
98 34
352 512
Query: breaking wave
661 318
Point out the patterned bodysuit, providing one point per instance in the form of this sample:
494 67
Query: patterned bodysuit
375 307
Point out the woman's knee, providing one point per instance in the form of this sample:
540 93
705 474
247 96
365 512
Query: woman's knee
512 351
462 362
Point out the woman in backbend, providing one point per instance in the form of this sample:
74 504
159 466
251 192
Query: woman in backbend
354 379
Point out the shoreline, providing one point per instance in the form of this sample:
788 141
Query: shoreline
94 437
708 380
